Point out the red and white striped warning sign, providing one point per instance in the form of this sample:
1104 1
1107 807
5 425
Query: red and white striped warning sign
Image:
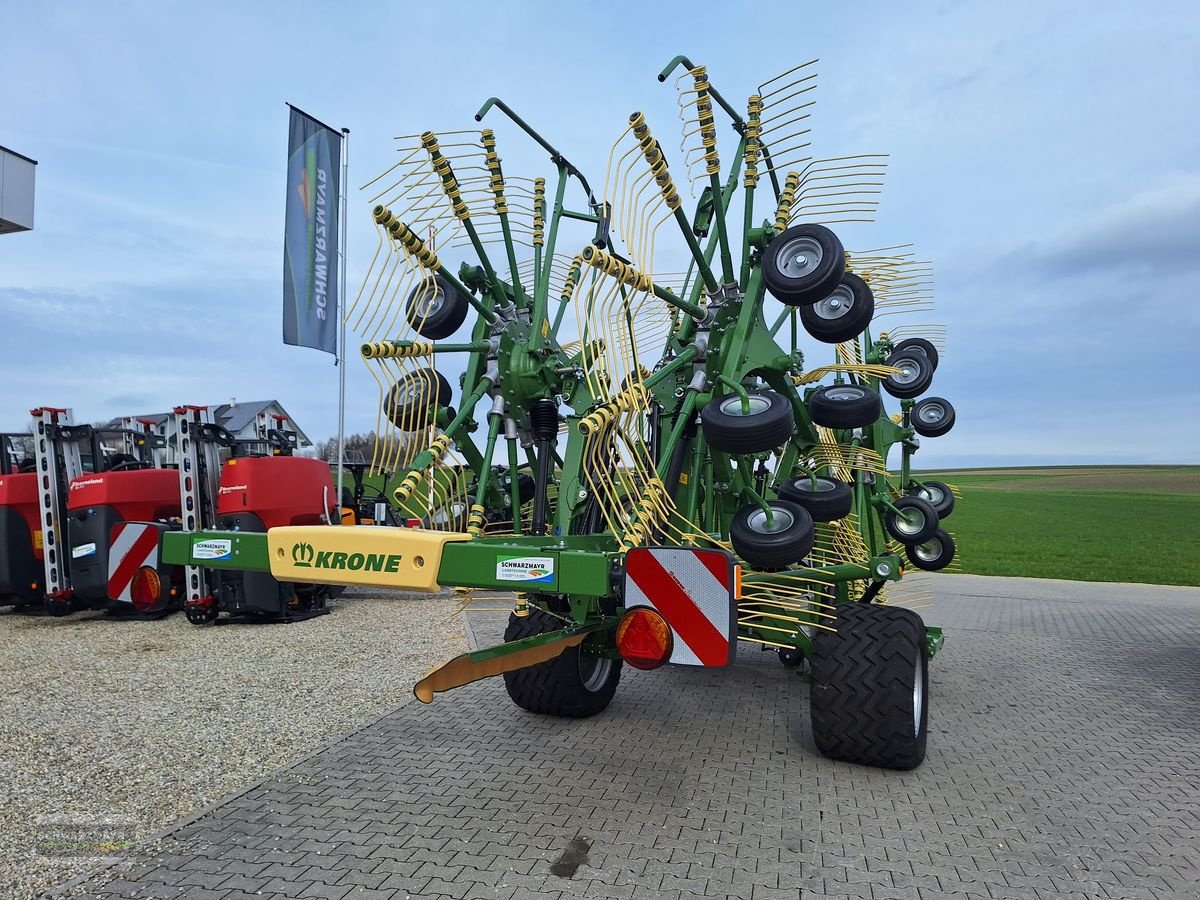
131 546
694 592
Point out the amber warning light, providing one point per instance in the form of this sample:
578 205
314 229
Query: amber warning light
644 638
145 589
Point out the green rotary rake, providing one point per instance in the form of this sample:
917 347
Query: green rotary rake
640 445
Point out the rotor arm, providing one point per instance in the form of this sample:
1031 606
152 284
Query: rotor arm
557 158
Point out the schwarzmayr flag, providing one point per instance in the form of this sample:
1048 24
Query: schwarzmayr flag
310 241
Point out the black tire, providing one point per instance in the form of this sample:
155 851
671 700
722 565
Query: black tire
870 690
916 374
791 657
932 417
799 284
916 522
829 500
770 423
573 685
436 309
413 394
937 494
933 554
921 346
843 314
789 540
844 406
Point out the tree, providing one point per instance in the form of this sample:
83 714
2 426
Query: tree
361 447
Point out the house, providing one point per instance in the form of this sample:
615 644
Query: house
247 421
252 420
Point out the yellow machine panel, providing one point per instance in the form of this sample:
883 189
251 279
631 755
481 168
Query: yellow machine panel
406 558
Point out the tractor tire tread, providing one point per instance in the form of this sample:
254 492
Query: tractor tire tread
553 688
863 686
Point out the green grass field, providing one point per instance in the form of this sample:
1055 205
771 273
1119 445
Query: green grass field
1089 523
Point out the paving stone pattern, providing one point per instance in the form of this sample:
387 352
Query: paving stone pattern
1064 762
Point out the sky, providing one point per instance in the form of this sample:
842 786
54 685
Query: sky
1044 155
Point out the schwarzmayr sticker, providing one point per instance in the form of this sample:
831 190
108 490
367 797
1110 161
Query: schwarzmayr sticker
528 569
212 549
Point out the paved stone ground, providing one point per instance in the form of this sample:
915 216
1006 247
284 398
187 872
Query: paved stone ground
1064 762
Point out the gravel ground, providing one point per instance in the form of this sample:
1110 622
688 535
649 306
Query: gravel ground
110 730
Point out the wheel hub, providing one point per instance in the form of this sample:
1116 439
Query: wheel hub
806 484
732 406
933 495
800 257
928 550
837 305
845 393
781 520
918 695
594 671
430 304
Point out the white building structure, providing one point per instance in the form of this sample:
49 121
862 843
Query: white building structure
16 191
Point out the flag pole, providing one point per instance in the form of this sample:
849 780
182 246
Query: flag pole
341 356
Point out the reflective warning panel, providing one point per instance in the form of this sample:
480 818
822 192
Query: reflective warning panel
694 591
132 545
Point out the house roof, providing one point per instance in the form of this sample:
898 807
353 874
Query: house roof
237 417
233 418
18 155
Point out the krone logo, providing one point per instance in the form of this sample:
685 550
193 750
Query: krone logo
306 556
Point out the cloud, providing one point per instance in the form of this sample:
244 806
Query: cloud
1064 249
1154 232
1077 344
